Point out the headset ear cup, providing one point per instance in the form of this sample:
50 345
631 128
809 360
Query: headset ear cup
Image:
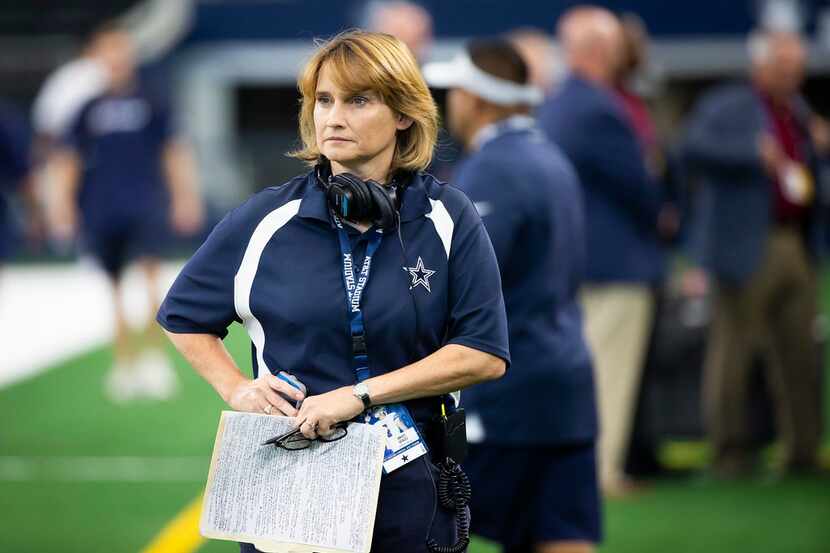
363 208
366 200
387 210
359 198
335 194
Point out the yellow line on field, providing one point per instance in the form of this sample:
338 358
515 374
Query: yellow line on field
181 535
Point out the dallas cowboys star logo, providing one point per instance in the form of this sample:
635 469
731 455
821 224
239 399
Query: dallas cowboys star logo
420 275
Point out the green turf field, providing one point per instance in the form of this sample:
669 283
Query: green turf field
60 490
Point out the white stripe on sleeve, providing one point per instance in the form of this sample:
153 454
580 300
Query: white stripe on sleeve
244 279
442 221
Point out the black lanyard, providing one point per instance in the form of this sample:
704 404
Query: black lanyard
354 294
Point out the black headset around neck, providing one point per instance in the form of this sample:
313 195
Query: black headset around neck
355 199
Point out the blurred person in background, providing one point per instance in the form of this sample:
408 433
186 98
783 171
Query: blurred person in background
760 223
634 86
409 22
15 178
65 91
539 54
282 262
121 179
532 460
634 60
586 119
412 24
154 26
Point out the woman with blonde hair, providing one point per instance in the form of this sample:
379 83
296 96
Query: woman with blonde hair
363 283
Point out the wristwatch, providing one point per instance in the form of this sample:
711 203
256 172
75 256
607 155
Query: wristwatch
361 392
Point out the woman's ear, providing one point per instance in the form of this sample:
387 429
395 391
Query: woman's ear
402 122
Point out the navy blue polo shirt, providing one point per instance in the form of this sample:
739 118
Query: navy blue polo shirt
274 264
120 140
530 202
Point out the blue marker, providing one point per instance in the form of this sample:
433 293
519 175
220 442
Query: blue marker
294 383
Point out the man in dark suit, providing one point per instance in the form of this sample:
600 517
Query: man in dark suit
587 121
759 225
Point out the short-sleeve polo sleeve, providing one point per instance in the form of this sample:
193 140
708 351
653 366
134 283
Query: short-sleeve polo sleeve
477 317
201 300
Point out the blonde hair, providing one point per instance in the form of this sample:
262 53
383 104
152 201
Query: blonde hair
359 61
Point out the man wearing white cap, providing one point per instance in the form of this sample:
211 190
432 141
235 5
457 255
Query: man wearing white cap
532 433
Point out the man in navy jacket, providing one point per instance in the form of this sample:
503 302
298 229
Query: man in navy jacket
759 226
588 122
532 457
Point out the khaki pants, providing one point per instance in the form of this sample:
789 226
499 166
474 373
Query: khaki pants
774 314
618 321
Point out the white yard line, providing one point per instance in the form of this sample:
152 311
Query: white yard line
103 469
51 312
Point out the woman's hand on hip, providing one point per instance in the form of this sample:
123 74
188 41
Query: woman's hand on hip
265 394
319 413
